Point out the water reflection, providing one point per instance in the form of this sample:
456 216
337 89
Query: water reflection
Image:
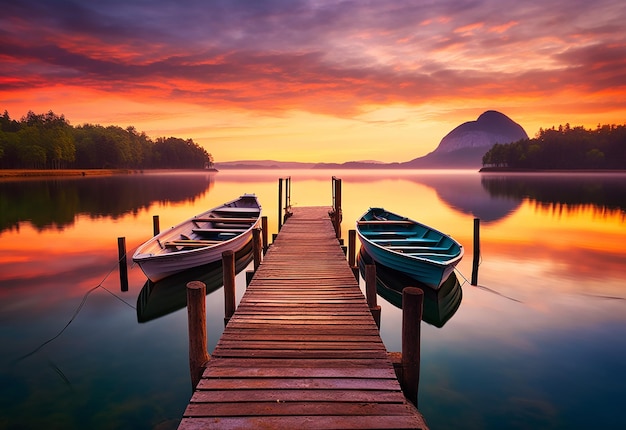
55 203
551 358
157 299
439 305
605 192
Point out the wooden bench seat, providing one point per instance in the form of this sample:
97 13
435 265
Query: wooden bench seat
407 241
228 220
433 256
236 210
388 234
385 222
420 249
218 230
190 243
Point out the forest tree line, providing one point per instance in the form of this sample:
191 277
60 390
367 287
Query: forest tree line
564 147
48 141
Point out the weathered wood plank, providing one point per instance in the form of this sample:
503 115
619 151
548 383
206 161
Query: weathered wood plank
219 396
283 408
300 372
304 422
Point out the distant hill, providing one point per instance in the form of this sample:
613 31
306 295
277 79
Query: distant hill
463 147
466 144
263 164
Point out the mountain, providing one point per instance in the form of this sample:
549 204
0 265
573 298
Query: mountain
463 147
466 144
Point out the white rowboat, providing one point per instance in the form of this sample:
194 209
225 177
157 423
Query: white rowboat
201 239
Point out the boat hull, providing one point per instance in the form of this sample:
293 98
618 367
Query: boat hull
402 244
439 305
182 247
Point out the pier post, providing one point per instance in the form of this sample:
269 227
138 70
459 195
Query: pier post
121 254
352 248
412 310
287 198
196 317
265 233
476 259
280 203
370 292
337 206
256 247
155 225
228 271
352 253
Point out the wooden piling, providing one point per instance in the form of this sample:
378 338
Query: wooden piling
280 203
264 233
123 264
156 229
476 259
196 317
412 310
370 292
337 205
228 271
256 247
352 248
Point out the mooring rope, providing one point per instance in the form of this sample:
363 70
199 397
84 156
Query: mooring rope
80 306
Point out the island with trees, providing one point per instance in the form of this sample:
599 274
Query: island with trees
562 148
48 141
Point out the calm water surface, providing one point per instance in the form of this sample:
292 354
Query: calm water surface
539 343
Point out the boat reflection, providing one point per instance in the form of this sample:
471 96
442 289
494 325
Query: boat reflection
439 305
157 299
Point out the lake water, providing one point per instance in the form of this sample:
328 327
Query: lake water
539 343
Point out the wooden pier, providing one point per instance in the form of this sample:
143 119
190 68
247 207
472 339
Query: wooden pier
302 349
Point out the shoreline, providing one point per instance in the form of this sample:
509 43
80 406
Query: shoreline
44 173
509 170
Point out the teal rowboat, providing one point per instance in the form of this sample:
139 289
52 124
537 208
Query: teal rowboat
410 247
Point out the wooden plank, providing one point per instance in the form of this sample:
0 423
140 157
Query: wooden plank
218 396
304 422
283 408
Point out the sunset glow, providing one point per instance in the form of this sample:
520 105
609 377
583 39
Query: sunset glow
317 81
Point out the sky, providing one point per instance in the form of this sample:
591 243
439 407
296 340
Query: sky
314 80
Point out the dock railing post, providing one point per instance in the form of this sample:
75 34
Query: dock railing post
337 206
196 317
228 271
280 203
370 292
265 233
412 309
123 264
256 247
476 259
